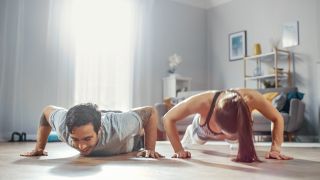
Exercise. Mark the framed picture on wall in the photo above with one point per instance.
(237, 45)
(290, 34)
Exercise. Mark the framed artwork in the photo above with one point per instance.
(290, 34)
(237, 45)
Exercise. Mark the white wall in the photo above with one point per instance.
(180, 29)
(263, 21)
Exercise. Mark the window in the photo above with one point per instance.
(103, 36)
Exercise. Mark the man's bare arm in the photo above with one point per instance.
(44, 130)
(149, 123)
(149, 117)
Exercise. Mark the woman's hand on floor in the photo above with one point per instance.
(35, 153)
(149, 154)
(182, 154)
(277, 155)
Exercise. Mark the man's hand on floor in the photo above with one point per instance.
(35, 153)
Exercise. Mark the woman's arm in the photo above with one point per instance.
(271, 113)
(192, 105)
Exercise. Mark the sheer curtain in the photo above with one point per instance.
(11, 65)
(113, 52)
(104, 33)
(66, 52)
(59, 61)
(90, 51)
(143, 56)
(36, 62)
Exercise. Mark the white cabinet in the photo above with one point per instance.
(174, 84)
(273, 67)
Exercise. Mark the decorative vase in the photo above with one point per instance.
(257, 49)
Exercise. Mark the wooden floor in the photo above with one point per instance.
(210, 161)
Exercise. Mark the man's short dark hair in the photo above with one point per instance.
(83, 114)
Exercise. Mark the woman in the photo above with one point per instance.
(224, 115)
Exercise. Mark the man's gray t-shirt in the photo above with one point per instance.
(119, 131)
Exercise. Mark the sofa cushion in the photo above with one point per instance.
(291, 95)
(270, 95)
(279, 101)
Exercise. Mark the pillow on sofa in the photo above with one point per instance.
(291, 95)
(171, 101)
(270, 95)
(279, 101)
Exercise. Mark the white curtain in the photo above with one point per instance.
(66, 52)
(143, 57)
(36, 62)
(113, 55)
(104, 33)
(59, 61)
(11, 64)
(113, 52)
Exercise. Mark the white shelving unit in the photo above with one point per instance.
(272, 59)
(174, 84)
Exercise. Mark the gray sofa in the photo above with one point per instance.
(292, 120)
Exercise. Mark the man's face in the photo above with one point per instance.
(84, 138)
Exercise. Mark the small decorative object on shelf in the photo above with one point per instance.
(270, 83)
(257, 49)
(279, 71)
(275, 76)
(258, 71)
(174, 61)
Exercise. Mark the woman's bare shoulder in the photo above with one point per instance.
(200, 94)
(248, 92)
(200, 99)
(251, 96)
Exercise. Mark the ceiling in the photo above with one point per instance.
(206, 4)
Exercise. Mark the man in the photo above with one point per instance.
(92, 132)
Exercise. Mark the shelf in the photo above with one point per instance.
(268, 76)
(269, 55)
(174, 83)
(274, 57)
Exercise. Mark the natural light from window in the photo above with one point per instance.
(103, 32)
